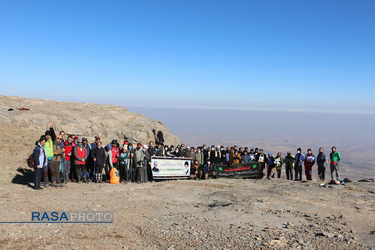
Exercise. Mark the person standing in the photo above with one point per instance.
(149, 154)
(115, 154)
(99, 157)
(160, 151)
(62, 136)
(289, 165)
(123, 160)
(321, 161)
(227, 156)
(109, 164)
(80, 161)
(131, 170)
(335, 158)
(246, 157)
(206, 161)
(252, 155)
(309, 163)
(68, 155)
(216, 156)
(199, 156)
(279, 161)
(262, 159)
(271, 167)
(40, 161)
(57, 153)
(89, 162)
(299, 159)
(138, 163)
(50, 163)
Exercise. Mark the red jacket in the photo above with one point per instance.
(115, 154)
(80, 155)
(68, 149)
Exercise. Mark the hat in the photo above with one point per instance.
(139, 145)
(109, 146)
(97, 138)
(84, 139)
(270, 154)
(75, 137)
(79, 140)
(126, 143)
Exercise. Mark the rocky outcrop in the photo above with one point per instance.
(85, 119)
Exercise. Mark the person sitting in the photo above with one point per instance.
(194, 170)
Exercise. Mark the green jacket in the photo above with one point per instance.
(49, 148)
(335, 157)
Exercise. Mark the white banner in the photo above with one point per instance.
(170, 167)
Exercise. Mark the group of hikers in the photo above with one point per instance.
(59, 159)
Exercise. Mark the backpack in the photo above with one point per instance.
(30, 161)
(334, 182)
(114, 176)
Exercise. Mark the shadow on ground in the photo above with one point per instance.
(24, 177)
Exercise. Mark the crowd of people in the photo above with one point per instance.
(60, 159)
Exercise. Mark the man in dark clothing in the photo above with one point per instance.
(321, 161)
(150, 153)
(271, 169)
(252, 155)
(131, 171)
(227, 156)
(99, 157)
(262, 158)
(183, 151)
(40, 161)
(299, 159)
(160, 151)
(289, 165)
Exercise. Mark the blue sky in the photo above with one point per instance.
(263, 54)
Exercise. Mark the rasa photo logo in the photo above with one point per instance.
(72, 217)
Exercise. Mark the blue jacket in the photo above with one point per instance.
(300, 158)
(246, 158)
(40, 156)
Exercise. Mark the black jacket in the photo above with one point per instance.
(321, 159)
(99, 154)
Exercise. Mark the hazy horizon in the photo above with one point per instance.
(236, 126)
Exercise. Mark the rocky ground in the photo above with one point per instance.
(222, 213)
